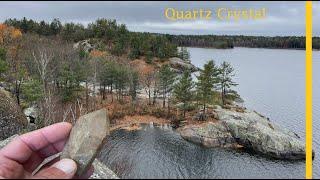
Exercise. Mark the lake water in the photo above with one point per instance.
(270, 81)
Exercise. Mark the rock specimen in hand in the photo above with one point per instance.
(86, 139)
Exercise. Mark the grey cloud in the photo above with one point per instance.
(283, 18)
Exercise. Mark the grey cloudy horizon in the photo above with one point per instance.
(283, 18)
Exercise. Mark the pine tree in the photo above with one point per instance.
(225, 79)
(149, 57)
(167, 78)
(133, 86)
(206, 83)
(184, 54)
(182, 90)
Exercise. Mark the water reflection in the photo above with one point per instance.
(160, 152)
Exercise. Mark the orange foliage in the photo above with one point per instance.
(16, 33)
(2, 27)
(97, 53)
(142, 67)
(8, 34)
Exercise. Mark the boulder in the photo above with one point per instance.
(12, 119)
(258, 133)
(85, 45)
(31, 114)
(210, 135)
(181, 65)
(86, 139)
(249, 129)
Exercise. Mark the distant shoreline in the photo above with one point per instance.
(249, 47)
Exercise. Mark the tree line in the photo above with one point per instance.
(115, 37)
(228, 41)
(151, 44)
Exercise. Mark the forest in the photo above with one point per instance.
(228, 41)
(76, 32)
(46, 66)
(115, 37)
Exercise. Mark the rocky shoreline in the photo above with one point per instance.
(240, 128)
(246, 129)
(179, 65)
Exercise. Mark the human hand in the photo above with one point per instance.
(25, 153)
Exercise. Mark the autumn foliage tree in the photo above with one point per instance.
(147, 77)
(10, 43)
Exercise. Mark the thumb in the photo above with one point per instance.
(63, 169)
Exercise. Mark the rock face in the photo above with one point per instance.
(256, 132)
(85, 45)
(86, 139)
(31, 114)
(211, 135)
(200, 116)
(12, 119)
(249, 129)
(181, 65)
(101, 171)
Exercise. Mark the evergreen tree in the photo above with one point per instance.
(167, 78)
(133, 86)
(149, 57)
(225, 79)
(184, 54)
(206, 83)
(55, 26)
(24, 25)
(103, 78)
(121, 80)
(182, 90)
(32, 90)
(108, 76)
(118, 48)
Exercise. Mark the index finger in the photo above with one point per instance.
(46, 141)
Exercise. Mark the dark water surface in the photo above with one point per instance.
(155, 152)
(271, 82)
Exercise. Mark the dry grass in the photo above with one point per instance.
(132, 122)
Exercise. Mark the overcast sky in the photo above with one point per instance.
(283, 18)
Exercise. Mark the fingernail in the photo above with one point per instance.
(68, 166)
